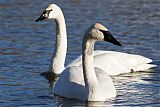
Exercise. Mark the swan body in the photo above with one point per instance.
(71, 84)
(113, 63)
(89, 83)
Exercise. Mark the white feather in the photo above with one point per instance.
(89, 83)
(114, 63)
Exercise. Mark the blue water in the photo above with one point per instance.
(26, 48)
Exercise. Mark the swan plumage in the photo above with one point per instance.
(116, 63)
(113, 63)
(89, 83)
(71, 84)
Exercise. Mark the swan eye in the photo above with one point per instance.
(50, 10)
(46, 13)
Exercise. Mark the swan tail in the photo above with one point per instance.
(143, 67)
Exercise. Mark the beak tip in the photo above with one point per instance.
(119, 44)
(37, 20)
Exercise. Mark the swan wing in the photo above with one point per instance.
(106, 83)
(115, 63)
(78, 60)
(71, 83)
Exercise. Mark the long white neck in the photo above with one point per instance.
(58, 59)
(90, 78)
(87, 59)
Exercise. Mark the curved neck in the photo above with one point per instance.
(58, 59)
(91, 82)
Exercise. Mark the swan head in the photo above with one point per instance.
(51, 12)
(98, 32)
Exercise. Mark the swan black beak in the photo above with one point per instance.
(44, 15)
(41, 18)
(109, 38)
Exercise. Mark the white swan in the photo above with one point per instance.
(113, 63)
(89, 84)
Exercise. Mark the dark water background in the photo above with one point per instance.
(26, 48)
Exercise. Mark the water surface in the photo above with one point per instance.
(26, 48)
